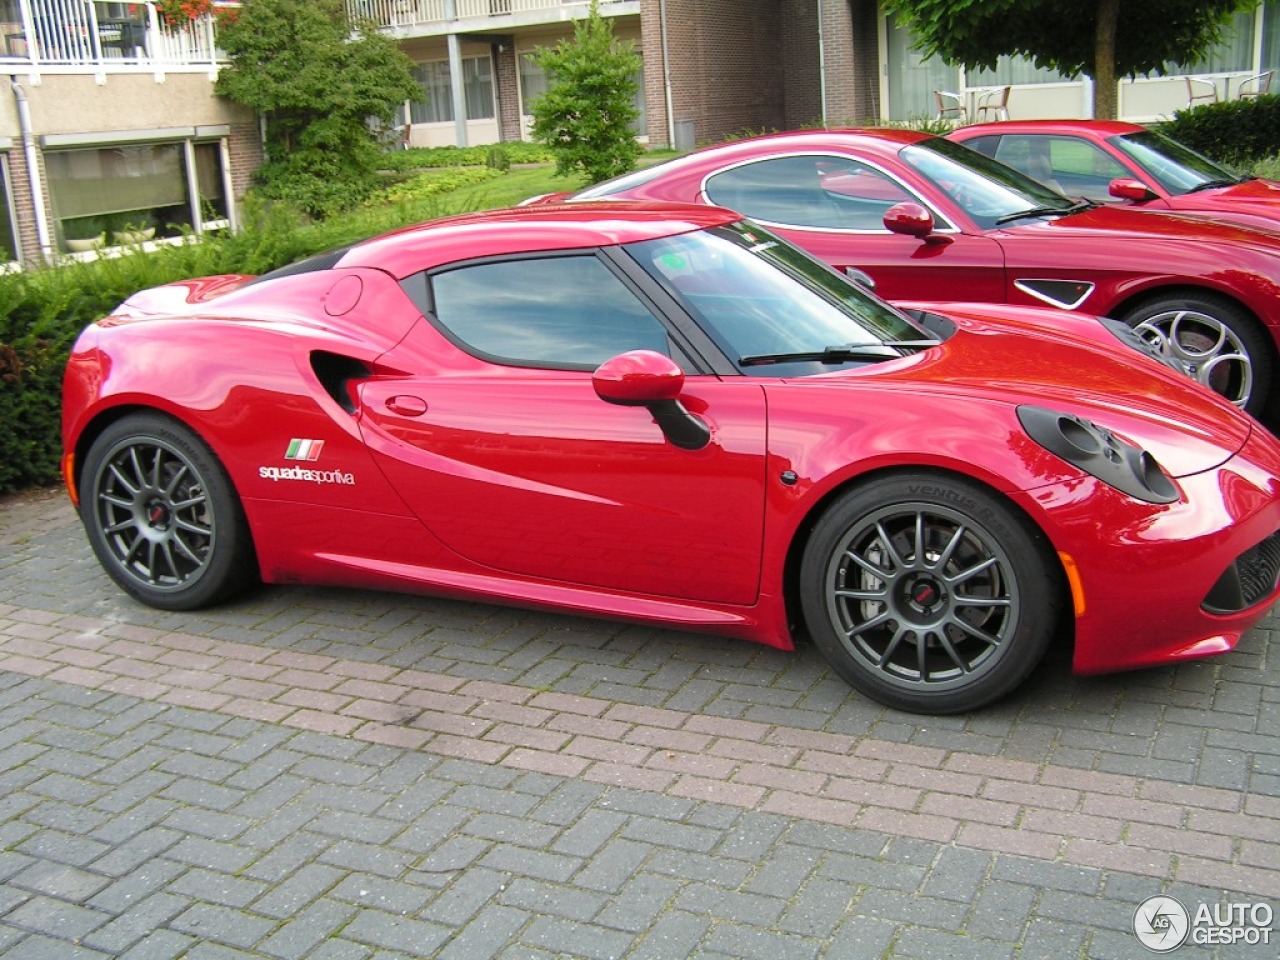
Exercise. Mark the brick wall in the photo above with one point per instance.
(866, 60)
(508, 89)
(850, 30)
(20, 188)
(801, 63)
(757, 64)
(726, 72)
(245, 149)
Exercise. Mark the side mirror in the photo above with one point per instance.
(910, 219)
(646, 378)
(913, 220)
(1123, 188)
(638, 378)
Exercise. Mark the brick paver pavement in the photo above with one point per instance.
(330, 774)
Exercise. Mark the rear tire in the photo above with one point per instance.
(929, 593)
(162, 516)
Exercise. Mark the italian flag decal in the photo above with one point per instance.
(304, 450)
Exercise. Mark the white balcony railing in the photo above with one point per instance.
(402, 14)
(74, 35)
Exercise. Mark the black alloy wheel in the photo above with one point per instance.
(929, 593)
(162, 516)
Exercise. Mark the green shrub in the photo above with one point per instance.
(432, 183)
(1268, 169)
(497, 160)
(418, 158)
(587, 112)
(1237, 132)
(317, 80)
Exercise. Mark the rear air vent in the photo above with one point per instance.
(335, 373)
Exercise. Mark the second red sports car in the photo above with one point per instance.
(1112, 161)
(921, 216)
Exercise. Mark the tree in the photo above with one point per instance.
(1102, 39)
(318, 81)
(585, 116)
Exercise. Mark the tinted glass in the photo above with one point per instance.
(569, 312)
(810, 190)
(1071, 165)
(1177, 168)
(987, 191)
(757, 295)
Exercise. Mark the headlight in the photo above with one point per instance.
(1131, 338)
(1099, 452)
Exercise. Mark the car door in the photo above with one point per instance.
(511, 459)
(834, 206)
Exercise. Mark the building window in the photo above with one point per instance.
(1270, 37)
(211, 184)
(534, 83)
(1014, 70)
(130, 192)
(1233, 54)
(436, 105)
(9, 249)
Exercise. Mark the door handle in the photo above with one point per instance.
(407, 405)
(861, 277)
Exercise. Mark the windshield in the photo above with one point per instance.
(989, 192)
(1177, 168)
(757, 296)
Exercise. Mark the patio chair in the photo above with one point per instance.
(994, 102)
(950, 106)
(1256, 86)
(1198, 90)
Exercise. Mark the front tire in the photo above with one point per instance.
(1215, 341)
(928, 593)
(162, 516)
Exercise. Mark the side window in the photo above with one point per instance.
(1068, 164)
(988, 146)
(1084, 169)
(566, 312)
(809, 191)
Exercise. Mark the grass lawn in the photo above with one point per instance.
(441, 192)
(518, 183)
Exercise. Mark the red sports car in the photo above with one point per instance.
(1109, 161)
(923, 217)
(668, 415)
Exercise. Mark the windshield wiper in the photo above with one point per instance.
(1046, 212)
(1213, 184)
(884, 350)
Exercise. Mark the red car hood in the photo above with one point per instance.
(1253, 202)
(1110, 221)
(1070, 363)
(1248, 191)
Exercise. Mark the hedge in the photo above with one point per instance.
(1238, 132)
(43, 311)
(499, 156)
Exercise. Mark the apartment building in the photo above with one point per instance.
(109, 129)
(711, 67)
(714, 68)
